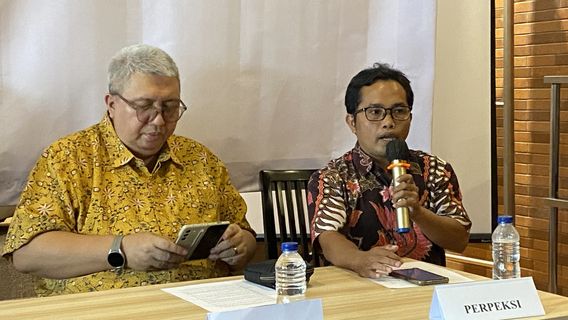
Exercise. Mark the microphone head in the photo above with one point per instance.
(397, 150)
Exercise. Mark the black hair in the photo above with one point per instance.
(379, 71)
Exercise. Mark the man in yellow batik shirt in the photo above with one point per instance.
(126, 185)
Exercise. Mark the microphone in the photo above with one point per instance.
(398, 156)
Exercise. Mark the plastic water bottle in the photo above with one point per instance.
(506, 250)
(290, 274)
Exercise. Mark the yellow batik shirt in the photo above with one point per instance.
(90, 183)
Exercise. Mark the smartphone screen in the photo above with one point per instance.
(419, 276)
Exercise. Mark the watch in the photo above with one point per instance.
(115, 256)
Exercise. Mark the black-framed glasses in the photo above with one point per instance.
(146, 111)
(378, 113)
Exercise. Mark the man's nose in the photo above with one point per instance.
(159, 118)
(388, 121)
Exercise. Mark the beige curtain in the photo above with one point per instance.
(265, 80)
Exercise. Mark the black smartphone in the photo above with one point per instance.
(200, 238)
(419, 276)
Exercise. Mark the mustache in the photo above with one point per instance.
(153, 130)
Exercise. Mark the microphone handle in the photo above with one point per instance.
(402, 218)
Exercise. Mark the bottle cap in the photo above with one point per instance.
(289, 246)
(504, 219)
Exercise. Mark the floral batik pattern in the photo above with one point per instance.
(90, 183)
(353, 195)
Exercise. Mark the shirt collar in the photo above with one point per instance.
(364, 163)
(120, 155)
(168, 153)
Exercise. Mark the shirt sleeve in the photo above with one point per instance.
(44, 204)
(326, 203)
(446, 197)
(232, 206)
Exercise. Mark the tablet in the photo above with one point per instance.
(200, 238)
(419, 276)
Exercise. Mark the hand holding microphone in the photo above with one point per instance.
(398, 156)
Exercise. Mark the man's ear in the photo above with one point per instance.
(350, 120)
(109, 102)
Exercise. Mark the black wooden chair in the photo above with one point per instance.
(284, 205)
(6, 211)
(14, 285)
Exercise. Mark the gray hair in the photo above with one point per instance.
(139, 58)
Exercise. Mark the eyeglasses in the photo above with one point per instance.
(378, 113)
(171, 110)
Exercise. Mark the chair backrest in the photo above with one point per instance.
(6, 211)
(284, 205)
(14, 285)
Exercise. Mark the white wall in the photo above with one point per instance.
(461, 128)
(254, 210)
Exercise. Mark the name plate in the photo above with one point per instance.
(493, 299)
(300, 310)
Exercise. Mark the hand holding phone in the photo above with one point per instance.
(419, 276)
(199, 239)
